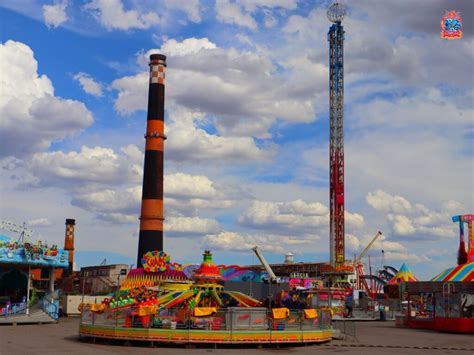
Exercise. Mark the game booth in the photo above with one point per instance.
(169, 303)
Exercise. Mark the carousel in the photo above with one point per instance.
(166, 303)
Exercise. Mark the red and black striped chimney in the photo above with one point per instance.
(69, 244)
(151, 217)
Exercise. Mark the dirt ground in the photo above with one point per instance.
(371, 338)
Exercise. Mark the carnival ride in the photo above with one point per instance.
(199, 312)
(446, 303)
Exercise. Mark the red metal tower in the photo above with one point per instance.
(336, 134)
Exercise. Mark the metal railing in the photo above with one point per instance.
(50, 307)
(13, 309)
(226, 319)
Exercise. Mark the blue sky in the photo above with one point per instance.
(247, 124)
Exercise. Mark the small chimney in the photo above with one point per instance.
(151, 216)
(289, 258)
(69, 244)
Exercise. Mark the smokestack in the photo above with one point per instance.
(151, 217)
(69, 244)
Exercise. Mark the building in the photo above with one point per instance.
(102, 279)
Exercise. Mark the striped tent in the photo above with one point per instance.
(403, 275)
(462, 273)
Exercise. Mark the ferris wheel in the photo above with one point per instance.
(21, 229)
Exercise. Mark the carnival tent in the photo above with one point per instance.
(403, 275)
(461, 273)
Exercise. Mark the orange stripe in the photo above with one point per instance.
(154, 143)
(152, 208)
(151, 225)
(155, 126)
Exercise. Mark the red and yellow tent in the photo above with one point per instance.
(403, 275)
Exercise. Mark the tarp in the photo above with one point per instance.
(462, 273)
(403, 275)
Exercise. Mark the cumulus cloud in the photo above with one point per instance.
(39, 222)
(187, 142)
(32, 116)
(55, 15)
(241, 92)
(89, 85)
(190, 7)
(416, 220)
(190, 226)
(298, 217)
(233, 13)
(115, 201)
(242, 242)
(385, 202)
(241, 13)
(112, 15)
(89, 165)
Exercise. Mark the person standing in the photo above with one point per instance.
(349, 303)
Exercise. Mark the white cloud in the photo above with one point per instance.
(89, 85)
(89, 165)
(188, 46)
(354, 220)
(385, 202)
(296, 217)
(112, 15)
(241, 92)
(31, 116)
(54, 15)
(38, 222)
(189, 143)
(190, 226)
(253, 5)
(188, 194)
(416, 220)
(233, 13)
(241, 242)
(190, 7)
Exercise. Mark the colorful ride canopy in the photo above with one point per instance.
(460, 273)
(403, 275)
(32, 253)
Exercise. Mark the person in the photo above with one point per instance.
(382, 312)
(349, 300)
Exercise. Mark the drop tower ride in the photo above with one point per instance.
(336, 13)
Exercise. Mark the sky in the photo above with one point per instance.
(246, 159)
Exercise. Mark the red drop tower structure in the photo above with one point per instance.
(336, 13)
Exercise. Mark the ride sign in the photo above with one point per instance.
(155, 261)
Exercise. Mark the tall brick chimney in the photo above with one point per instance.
(69, 244)
(151, 217)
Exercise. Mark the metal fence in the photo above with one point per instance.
(348, 328)
(50, 307)
(13, 309)
(227, 319)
